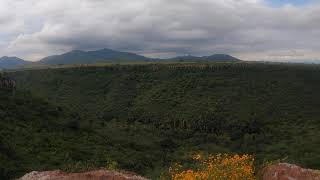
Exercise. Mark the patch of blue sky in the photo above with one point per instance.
(279, 3)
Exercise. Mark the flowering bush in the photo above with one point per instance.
(217, 167)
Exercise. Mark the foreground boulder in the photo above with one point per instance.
(284, 171)
(92, 175)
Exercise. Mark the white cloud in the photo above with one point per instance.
(249, 29)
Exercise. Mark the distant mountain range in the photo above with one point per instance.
(106, 56)
(215, 57)
(12, 62)
(112, 56)
(91, 57)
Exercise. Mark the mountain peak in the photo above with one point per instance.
(220, 57)
(105, 49)
(8, 58)
(213, 57)
(90, 57)
(7, 62)
(76, 50)
(12, 58)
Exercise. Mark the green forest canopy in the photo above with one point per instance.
(145, 117)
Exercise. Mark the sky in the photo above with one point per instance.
(292, 2)
(268, 30)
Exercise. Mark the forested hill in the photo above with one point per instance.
(145, 117)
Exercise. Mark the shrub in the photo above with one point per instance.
(217, 167)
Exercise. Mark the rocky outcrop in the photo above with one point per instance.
(284, 171)
(7, 83)
(281, 171)
(92, 175)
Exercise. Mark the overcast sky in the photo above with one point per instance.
(249, 29)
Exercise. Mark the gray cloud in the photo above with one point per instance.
(249, 29)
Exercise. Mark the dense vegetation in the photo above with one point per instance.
(145, 117)
(31, 132)
(35, 135)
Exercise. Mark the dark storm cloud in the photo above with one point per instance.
(249, 29)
